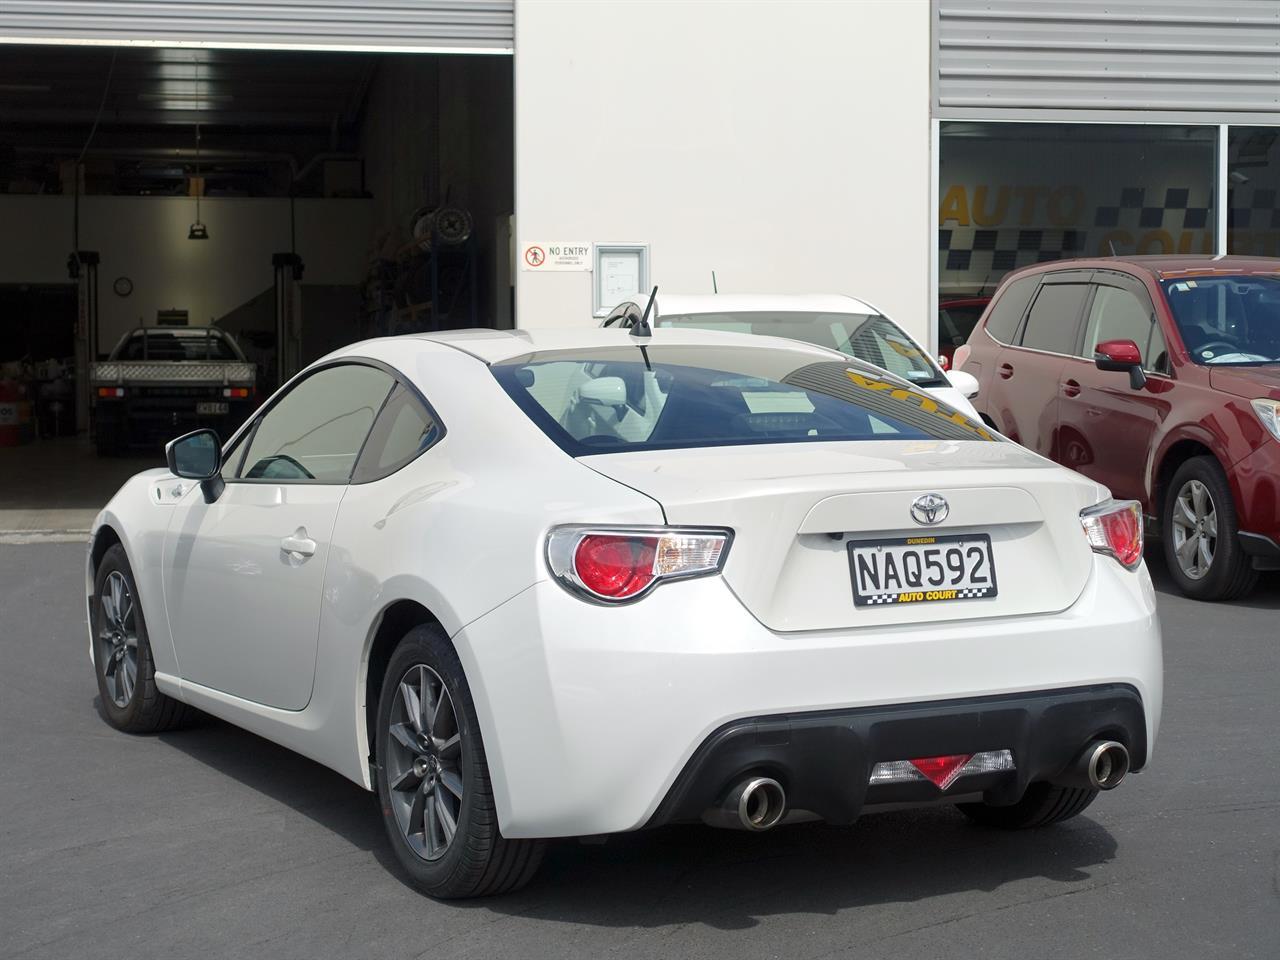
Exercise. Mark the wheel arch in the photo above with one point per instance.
(104, 538)
(1177, 452)
(394, 621)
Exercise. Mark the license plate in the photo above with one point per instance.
(211, 408)
(922, 569)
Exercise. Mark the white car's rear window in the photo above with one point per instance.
(620, 398)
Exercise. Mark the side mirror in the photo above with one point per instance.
(604, 391)
(1121, 356)
(966, 383)
(198, 456)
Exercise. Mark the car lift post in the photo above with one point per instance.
(288, 274)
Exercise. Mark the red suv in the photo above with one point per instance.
(1160, 378)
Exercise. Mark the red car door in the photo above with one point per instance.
(1025, 387)
(1104, 425)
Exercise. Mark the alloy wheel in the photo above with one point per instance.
(118, 639)
(1195, 529)
(424, 763)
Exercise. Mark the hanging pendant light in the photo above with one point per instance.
(198, 230)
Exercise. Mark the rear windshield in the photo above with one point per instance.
(611, 399)
(160, 345)
(867, 336)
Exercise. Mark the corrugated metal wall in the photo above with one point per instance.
(443, 25)
(1173, 56)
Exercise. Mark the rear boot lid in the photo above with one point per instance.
(794, 509)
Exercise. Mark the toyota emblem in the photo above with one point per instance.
(929, 509)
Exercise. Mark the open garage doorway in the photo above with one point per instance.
(289, 201)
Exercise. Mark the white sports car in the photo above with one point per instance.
(829, 320)
(546, 584)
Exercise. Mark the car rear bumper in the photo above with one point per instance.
(824, 760)
(592, 715)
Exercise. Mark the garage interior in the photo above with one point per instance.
(296, 200)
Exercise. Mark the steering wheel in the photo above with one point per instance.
(262, 470)
(1207, 350)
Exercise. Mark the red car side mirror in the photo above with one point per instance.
(1121, 356)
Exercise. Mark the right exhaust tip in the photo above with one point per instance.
(1104, 764)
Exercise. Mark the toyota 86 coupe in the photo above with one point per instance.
(538, 584)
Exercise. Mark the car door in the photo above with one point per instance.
(244, 575)
(1105, 426)
(1025, 385)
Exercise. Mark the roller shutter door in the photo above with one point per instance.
(1178, 56)
(445, 26)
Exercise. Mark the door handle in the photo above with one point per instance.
(300, 545)
(1071, 388)
(1005, 370)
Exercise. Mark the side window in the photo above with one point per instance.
(1054, 319)
(403, 430)
(1120, 314)
(1007, 311)
(315, 431)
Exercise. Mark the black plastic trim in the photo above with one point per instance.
(1264, 551)
(824, 759)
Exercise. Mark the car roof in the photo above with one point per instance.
(496, 346)
(693, 303)
(1163, 266)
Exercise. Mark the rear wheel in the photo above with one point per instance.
(433, 779)
(122, 654)
(1042, 805)
(1199, 529)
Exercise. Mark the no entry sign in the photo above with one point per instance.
(555, 255)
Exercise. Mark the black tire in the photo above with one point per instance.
(1042, 805)
(145, 709)
(478, 861)
(1230, 573)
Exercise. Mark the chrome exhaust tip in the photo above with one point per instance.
(1101, 766)
(755, 804)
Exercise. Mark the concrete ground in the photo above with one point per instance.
(56, 487)
(212, 842)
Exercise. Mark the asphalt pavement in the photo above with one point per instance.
(211, 842)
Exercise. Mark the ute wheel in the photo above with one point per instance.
(122, 654)
(1041, 805)
(1198, 527)
(433, 780)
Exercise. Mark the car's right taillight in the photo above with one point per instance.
(1114, 527)
(610, 564)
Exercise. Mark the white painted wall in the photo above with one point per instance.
(145, 239)
(782, 143)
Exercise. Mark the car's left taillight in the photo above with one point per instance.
(617, 564)
(1114, 527)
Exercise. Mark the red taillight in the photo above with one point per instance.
(942, 770)
(960, 357)
(619, 564)
(615, 566)
(1115, 528)
(114, 392)
(237, 393)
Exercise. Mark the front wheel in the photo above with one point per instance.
(433, 779)
(122, 653)
(1199, 529)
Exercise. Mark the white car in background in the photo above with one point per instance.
(545, 583)
(828, 320)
